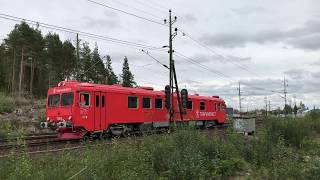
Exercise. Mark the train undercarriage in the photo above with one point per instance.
(130, 129)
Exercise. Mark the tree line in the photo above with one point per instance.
(30, 63)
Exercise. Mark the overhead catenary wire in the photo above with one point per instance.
(126, 12)
(148, 54)
(229, 59)
(193, 61)
(160, 9)
(225, 58)
(73, 31)
(136, 9)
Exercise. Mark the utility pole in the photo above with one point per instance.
(269, 106)
(239, 94)
(266, 101)
(285, 94)
(78, 58)
(172, 73)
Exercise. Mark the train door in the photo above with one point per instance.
(97, 111)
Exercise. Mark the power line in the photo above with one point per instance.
(193, 61)
(216, 53)
(187, 35)
(147, 53)
(145, 12)
(150, 6)
(63, 29)
(125, 12)
(199, 43)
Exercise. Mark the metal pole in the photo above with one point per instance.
(78, 58)
(170, 68)
(239, 98)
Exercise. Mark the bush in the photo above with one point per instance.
(4, 128)
(184, 154)
(292, 130)
(7, 103)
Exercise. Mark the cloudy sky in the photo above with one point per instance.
(253, 42)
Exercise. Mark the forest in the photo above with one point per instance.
(31, 62)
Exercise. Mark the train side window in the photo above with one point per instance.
(189, 105)
(102, 101)
(67, 99)
(202, 106)
(216, 106)
(84, 99)
(158, 103)
(146, 103)
(97, 100)
(53, 100)
(132, 102)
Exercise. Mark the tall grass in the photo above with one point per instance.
(7, 103)
(292, 130)
(285, 150)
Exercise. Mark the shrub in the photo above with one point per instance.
(292, 130)
(7, 103)
(4, 128)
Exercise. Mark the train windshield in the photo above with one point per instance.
(67, 99)
(53, 100)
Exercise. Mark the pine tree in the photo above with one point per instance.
(69, 59)
(98, 68)
(24, 56)
(55, 62)
(127, 76)
(111, 76)
(86, 72)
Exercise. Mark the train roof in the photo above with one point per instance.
(65, 86)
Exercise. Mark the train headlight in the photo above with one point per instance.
(69, 118)
(48, 118)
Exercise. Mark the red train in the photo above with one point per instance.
(80, 110)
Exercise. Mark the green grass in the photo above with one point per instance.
(284, 150)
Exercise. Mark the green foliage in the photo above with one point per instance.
(4, 128)
(111, 78)
(184, 154)
(127, 76)
(292, 130)
(45, 61)
(287, 109)
(99, 72)
(7, 103)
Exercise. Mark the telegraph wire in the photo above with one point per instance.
(193, 61)
(145, 12)
(148, 54)
(216, 53)
(68, 30)
(187, 35)
(150, 6)
(126, 12)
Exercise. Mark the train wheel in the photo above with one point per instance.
(86, 138)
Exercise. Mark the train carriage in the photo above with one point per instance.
(78, 109)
